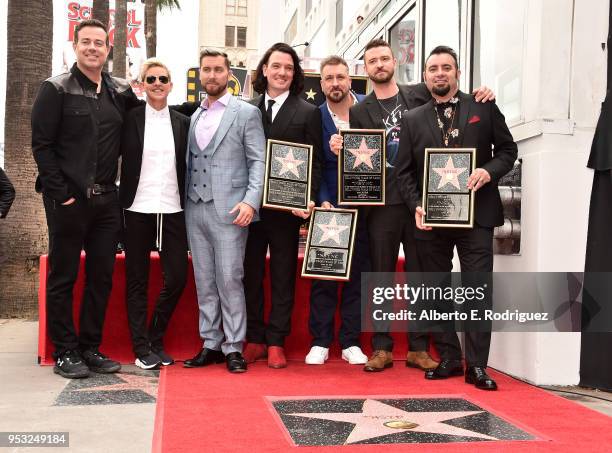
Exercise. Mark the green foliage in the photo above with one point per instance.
(162, 4)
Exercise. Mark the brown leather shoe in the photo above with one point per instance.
(254, 351)
(421, 360)
(379, 361)
(276, 357)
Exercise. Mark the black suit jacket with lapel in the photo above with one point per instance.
(297, 121)
(481, 126)
(132, 141)
(365, 115)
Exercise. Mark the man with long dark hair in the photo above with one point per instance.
(279, 78)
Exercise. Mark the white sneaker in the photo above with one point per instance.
(354, 355)
(317, 355)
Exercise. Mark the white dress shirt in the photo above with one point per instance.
(157, 190)
(278, 102)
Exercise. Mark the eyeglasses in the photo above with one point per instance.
(162, 78)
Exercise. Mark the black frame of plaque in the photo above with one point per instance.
(267, 177)
(342, 199)
(469, 223)
(339, 276)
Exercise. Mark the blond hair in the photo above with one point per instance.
(152, 63)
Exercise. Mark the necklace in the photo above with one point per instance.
(449, 132)
(390, 113)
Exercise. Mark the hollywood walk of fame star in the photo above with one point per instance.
(331, 230)
(449, 174)
(289, 164)
(363, 154)
(377, 419)
(310, 94)
(146, 384)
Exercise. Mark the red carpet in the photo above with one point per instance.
(210, 410)
(182, 339)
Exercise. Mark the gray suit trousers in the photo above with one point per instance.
(217, 251)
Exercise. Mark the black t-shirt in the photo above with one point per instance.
(391, 114)
(109, 123)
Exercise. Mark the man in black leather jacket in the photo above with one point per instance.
(76, 129)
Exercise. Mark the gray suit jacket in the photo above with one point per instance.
(238, 159)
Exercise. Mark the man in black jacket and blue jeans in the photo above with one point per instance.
(76, 129)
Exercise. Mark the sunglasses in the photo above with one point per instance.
(151, 79)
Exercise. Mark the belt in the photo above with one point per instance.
(101, 189)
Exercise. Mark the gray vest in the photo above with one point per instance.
(200, 187)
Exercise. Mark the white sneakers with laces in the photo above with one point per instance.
(317, 355)
(354, 355)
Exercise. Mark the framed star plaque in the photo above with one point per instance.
(329, 246)
(288, 175)
(361, 167)
(446, 199)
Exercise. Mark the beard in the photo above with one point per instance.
(337, 95)
(382, 77)
(441, 90)
(215, 90)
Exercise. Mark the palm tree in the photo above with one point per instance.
(24, 231)
(119, 40)
(151, 8)
(99, 10)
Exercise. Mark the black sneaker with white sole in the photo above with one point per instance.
(70, 365)
(150, 361)
(99, 363)
(165, 358)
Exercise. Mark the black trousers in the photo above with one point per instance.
(280, 231)
(140, 233)
(475, 250)
(324, 299)
(388, 227)
(93, 225)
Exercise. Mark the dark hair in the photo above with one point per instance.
(214, 53)
(260, 83)
(377, 42)
(90, 23)
(444, 49)
(333, 60)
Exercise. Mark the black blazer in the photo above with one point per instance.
(481, 126)
(132, 141)
(7, 194)
(297, 121)
(365, 115)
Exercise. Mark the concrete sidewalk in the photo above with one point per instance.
(103, 413)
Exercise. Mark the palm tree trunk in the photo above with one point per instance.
(99, 10)
(120, 38)
(24, 231)
(151, 27)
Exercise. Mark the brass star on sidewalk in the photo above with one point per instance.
(146, 384)
(380, 419)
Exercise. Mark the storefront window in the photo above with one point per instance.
(402, 40)
(442, 25)
(498, 52)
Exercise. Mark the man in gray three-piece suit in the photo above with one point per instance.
(224, 183)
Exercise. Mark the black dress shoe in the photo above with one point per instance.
(478, 376)
(205, 357)
(446, 369)
(235, 362)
